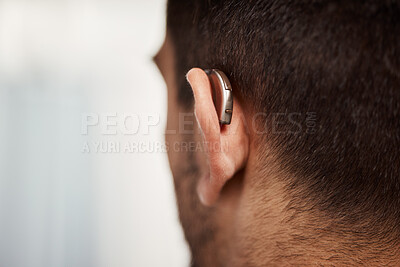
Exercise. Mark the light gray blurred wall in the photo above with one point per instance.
(59, 206)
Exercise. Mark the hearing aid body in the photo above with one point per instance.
(222, 95)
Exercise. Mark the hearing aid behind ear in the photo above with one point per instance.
(222, 95)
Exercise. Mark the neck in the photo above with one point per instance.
(273, 227)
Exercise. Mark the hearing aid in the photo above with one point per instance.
(221, 94)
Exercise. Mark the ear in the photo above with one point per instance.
(226, 146)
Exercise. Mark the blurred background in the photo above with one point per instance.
(83, 181)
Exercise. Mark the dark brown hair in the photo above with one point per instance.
(336, 60)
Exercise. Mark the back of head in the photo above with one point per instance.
(329, 72)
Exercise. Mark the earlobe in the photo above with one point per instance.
(226, 151)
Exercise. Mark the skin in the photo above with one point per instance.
(215, 188)
(233, 207)
(199, 222)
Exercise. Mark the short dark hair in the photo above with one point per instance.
(338, 60)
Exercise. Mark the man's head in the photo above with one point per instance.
(309, 170)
